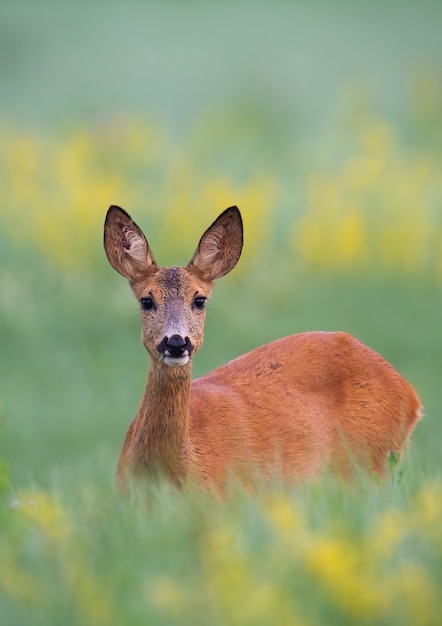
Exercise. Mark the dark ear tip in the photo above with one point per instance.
(114, 210)
(234, 211)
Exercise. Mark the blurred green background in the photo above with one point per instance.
(322, 121)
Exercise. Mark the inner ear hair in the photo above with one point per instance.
(125, 245)
(220, 246)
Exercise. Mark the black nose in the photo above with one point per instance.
(176, 341)
(175, 346)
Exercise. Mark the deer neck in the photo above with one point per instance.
(162, 424)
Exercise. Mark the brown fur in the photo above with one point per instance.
(288, 409)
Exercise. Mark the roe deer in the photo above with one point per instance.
(288, 409)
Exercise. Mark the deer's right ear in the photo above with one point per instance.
(126, 247)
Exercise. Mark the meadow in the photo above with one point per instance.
(343, 231)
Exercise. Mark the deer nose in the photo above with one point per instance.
(175, 346)
(176, 341)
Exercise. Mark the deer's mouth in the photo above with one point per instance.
(175, 361)
(175, 350)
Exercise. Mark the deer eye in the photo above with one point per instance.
(147, 304)
(199, 302)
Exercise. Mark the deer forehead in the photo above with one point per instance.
(172, 283)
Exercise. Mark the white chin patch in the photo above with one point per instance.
(178, 361)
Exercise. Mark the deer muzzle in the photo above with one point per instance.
(175, 350)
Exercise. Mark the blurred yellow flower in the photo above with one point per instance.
(242, 597)
(60, 188)
(377, 210)
(286, 521)
(427, 512)
(387, 533)
(417, 597)
(165, 593)
(339, 565)
(16, 582)
(46, 513)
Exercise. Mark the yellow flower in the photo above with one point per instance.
(286, 521)
(165, 593)
(417, 597)
(16, 582)
(426, 516)
(43, 511)
(239, 594)
(91, 598)
(388, 532)
(338, 565)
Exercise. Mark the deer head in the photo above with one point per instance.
(172, 299)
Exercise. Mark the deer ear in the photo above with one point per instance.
(220, 247)
(126, 247)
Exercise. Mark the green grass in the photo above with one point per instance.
(320, 553)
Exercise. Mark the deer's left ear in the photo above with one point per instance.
(220, 247)
(126, 247)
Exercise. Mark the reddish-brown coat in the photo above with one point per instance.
(289, 409)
